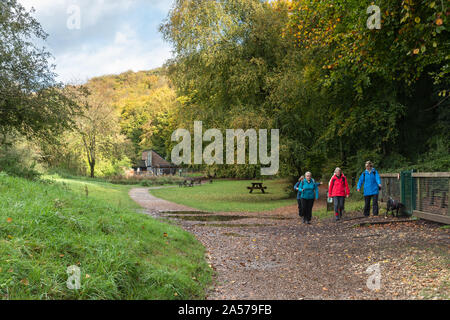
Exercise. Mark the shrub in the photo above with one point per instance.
(16, 163)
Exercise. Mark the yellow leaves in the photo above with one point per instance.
(87, 276)
(10, 236)
(417, 19)
(439, 22)
(416, 51)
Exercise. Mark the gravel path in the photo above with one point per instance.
(272, 255)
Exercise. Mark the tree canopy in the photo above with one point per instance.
(339, 92)
(30, 99)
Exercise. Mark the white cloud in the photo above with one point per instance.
(115, 36)
(125, 54)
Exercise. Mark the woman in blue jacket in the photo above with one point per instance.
(370, 180)
(299, 195)
(309, 192)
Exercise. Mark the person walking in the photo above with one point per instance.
(370, 180)
(310, 191)
(338, 190)
(299, 195)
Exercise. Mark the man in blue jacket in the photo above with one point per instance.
(371, 181)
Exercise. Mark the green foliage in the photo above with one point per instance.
(30, 102)
(144, 101)
(47, 227)
(17, 158)
(340, 94)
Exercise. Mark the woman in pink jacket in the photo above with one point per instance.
(338, 190)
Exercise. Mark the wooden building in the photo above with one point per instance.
(154, 164)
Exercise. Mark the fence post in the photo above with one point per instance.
(419, 194)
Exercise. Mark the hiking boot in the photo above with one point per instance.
(338, 218)
(308, 222)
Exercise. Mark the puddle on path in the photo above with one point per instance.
(185, 212)
(226, 225)
(234, 234)
(212, 218)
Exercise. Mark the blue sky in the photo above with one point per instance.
(114, 35)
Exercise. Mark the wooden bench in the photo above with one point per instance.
(186, 183)
(257, 186)
(193, 181)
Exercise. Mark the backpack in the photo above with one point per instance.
(364, 177)
(343, 180)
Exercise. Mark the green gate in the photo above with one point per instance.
(408, 191)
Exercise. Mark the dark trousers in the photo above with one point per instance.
(307, 205)
(367, 205)
(339, 203)
(300, 212)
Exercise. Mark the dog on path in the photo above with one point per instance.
(393, 205)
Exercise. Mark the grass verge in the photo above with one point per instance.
(350, 206)
(45, 227)
(229, 196)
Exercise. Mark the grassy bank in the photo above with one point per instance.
(231, 196)
(350, 206)
(47, 227)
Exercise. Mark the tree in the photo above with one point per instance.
(97, 130)
(30, 99)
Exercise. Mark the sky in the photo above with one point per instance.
(89, 38)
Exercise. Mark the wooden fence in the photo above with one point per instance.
(425, 195)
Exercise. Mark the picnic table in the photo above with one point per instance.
(193, 181)
(257, 186)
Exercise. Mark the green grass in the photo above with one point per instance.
(114, 194)
(47, 227)
(229, 196)
(350, 206)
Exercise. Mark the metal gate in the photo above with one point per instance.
(408, 191)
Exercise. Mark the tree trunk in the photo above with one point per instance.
(92, 166)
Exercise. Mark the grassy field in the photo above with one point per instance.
(45, 227)
(230, 196)
(350, 206)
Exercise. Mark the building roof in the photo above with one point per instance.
(157, 161)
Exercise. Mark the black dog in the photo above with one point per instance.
(393, 205)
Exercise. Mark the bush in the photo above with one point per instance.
(146, 181)
(16, 163)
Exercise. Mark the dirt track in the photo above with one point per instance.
(272, 255)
